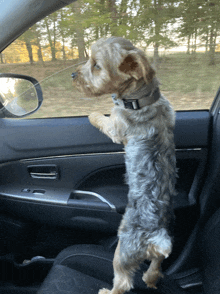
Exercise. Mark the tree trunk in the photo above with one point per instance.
(113, 11)
(54, 36)
(156, 54)
(29, 49)
(86, 54)
(96, 33)
(157, 5)
(39, 51)
(72, 51)
(188, 44)
(195, 44)
(52, 48)
(63, 49)
(207, 41)
(1, 55)
(63, 39)
(79, 31)
(212, 47)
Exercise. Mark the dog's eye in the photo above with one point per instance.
(96, 66)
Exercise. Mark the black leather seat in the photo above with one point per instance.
(84, 269)
(210, 255)
(79, 269)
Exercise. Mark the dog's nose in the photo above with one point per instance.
(74, 75)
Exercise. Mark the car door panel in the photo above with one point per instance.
(70, 165)
(65, 174)
(64, 136)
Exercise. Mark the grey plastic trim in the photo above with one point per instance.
(100, 153)
(97, 196)
(48, 195)
(191, 285)
(51, 196)
(188, 149)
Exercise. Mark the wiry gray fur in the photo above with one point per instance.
(151, 174)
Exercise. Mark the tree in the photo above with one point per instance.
(191, 17)
(27, 38)
(36, 29)
(79, 30)
(211, 26)
(1, 56)
(154, 19)
(145, 22)
(51, 25)
(62, 25)
(200, 19)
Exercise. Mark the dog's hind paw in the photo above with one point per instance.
(104, 291)
(151, 278)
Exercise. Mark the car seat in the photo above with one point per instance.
(84, 269)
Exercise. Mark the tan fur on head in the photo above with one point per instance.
(115, 66)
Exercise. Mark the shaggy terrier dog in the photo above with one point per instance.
(143, 120)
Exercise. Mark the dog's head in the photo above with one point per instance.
(115, 66)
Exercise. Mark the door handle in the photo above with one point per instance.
(44, 172)
(48, 176)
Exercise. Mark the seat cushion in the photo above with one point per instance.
(87, 268)
(80, 269)
(91, 260)
(62, 279)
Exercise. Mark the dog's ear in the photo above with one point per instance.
(137, 66)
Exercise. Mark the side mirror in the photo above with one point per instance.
(19, 95)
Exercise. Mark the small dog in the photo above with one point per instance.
(143, 120)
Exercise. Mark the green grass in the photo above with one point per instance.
(189, 73)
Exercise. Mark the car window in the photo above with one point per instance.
(180, 38)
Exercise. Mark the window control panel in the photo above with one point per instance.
(25, 190)
(79, 199)
(36, 191)
(39, 191)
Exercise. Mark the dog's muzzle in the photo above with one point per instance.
(74, 75)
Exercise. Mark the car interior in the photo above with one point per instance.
(63, 194)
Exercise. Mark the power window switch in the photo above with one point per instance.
(39, 192)
(26, 190)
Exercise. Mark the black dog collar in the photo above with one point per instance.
(136, 104)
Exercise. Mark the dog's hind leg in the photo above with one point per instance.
(123, 277)
(153, 274)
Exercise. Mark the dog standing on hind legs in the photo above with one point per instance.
(143, 120)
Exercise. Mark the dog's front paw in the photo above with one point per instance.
(95, 119)
(104, 291)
